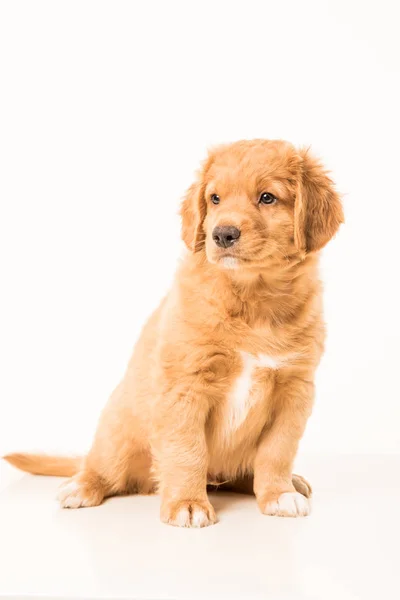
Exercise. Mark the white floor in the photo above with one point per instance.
(348, 548)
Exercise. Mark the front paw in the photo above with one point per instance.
(287, 504)
(188, 513)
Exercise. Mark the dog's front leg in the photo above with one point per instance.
(273, 484)
(181, 459)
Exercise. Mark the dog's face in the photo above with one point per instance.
(259, 200)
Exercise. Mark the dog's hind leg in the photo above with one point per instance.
(127, 471)
(119, 461)
(301, 485)
(84, 489)
(244, 485)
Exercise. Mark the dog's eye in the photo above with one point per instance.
(215, 198)
(267, 198)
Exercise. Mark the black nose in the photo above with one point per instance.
(225, 236)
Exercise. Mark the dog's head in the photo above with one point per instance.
(259, 200)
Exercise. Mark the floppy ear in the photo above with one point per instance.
(318, 210)
(193, 211)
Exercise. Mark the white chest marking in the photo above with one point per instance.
(240, 398)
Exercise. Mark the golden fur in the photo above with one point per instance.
(244, 318)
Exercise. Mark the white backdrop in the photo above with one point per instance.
(105, 110)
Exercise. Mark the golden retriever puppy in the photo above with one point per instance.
(221, 382)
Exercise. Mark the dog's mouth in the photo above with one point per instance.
(224, 259)
(228, 261)
(236, 260)
(233, 257)
(231, 260)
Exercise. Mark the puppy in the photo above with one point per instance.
(221, 382)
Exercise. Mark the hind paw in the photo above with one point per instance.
(78, 493)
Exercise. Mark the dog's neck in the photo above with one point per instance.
(273, 294)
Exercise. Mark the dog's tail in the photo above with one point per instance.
(41, 464)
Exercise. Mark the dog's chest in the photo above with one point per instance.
(251, 386)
